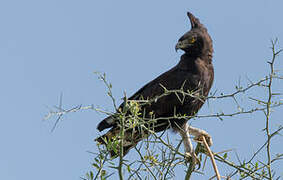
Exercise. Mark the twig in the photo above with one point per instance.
(212, 158)
(268, 108)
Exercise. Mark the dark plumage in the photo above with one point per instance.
(193, 73)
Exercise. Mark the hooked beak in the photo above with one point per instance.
(182, 45)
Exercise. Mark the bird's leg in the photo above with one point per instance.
(198, 133)
(189, 150)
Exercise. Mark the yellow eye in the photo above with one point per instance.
(193, 40)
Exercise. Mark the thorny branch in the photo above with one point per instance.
(268, 106)
(157, 157)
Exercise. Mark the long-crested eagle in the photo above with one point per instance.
(193, 75)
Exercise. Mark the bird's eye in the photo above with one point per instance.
(193, 39)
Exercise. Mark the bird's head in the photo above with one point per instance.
(197, 41)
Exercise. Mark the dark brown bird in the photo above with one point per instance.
(193, 74)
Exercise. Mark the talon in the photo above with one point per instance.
(208, 139)
(192, 158)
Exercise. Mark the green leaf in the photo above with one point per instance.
(256, 165)
(95, 165)
(129, 168)
(225, 156)
(103, 173)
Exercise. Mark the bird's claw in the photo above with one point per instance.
(208, 138)
(192, 159)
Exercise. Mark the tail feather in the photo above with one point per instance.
(106, 123)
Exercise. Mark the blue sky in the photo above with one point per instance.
(52, 47)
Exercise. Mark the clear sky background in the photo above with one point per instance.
(54, 46)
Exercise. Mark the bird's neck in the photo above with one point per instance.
(206, 55)
(189, 61)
